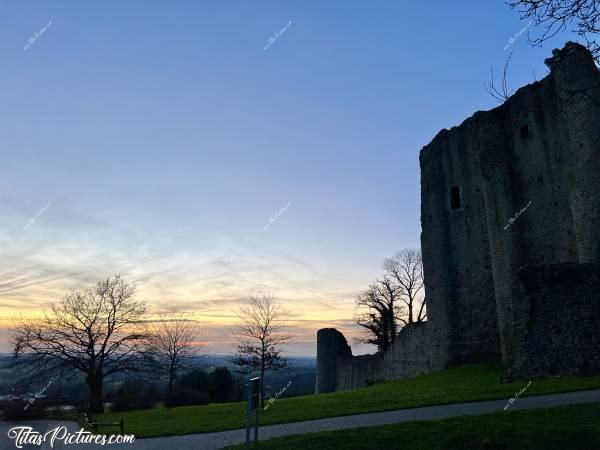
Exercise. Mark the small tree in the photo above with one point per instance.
(259, 335)
(96, 332)
(174, 343)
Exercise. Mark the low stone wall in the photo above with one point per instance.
(338, 369)
(409, 354)
(359, 371)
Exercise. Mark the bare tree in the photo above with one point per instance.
(500, 93)
(260, 337)
(173, 343)
(96, 332)
(380, 313)
(394, 301)
(406, 269)
(555, 16)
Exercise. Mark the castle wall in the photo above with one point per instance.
(510, 216)
(409, 354)
(331, 345)
(540, 150)
(577, 83)
(358, 371)
(560, 332)
(408, 357)
(459, 287)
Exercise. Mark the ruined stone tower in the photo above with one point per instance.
(527, 288)
(510, 217)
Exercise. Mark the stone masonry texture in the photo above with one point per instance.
(510, 217)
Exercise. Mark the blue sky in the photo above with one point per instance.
(166, 137)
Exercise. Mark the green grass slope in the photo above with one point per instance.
(460, 384)
(573, 427)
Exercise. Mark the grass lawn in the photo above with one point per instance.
(460, 384)
(573, 427)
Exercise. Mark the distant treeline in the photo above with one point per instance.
(213, 380)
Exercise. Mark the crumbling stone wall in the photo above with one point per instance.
(409, 354)
(359, 371)
(408, 357)
(510, 217)
(542, 148)
(331, 346)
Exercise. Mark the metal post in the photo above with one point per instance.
(254, 402)
(122, 426)
(257, 420)
(248, 413)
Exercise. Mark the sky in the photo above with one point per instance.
(207, 149)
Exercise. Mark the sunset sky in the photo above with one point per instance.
(160, 140)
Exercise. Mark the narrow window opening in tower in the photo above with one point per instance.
(455, 197)
(524, 132)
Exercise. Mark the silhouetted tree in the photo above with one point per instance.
(174, 344)
(380, 313)
(405, 268)
(391, 303)
(96, 332)
(259, 335)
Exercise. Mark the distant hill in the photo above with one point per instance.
(301, 372)
(223, 361)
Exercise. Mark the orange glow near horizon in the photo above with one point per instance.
(216, 317)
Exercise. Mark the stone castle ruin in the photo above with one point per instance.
(510, 216)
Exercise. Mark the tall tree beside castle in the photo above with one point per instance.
(96, 332)
(260, 337)
(405, 269)
(394, 301)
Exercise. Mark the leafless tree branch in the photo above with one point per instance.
(500, 93)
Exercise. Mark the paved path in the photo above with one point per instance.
(213, 441)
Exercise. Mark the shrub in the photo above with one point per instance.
(185, 396)
(133, 396)
(197, 387)
(195, 379)
(223, 385)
